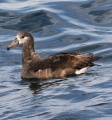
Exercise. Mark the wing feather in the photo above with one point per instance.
(64, 60)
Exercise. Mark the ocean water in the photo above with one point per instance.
(57, 26)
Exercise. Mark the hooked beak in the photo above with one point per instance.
(14, 43)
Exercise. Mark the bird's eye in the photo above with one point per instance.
(22, 36)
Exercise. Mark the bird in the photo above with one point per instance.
(60, 65)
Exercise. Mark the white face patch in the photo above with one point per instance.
(22, 40)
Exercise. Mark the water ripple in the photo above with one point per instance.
(57, 26)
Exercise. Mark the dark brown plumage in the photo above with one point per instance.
(56, 66)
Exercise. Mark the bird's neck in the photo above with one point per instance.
(28, 53)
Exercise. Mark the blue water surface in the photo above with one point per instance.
(57, 26)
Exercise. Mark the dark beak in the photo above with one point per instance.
(14, 43)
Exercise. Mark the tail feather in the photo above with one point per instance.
(94, 58)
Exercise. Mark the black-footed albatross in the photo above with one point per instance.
(55, 66)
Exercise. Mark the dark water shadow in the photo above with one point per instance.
(2, 1)
(93, 12)
(36, 85)
(32, 22)
(67, 116)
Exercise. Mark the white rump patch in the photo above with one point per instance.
(83, 70)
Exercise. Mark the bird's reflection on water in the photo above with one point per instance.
(36, 86)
